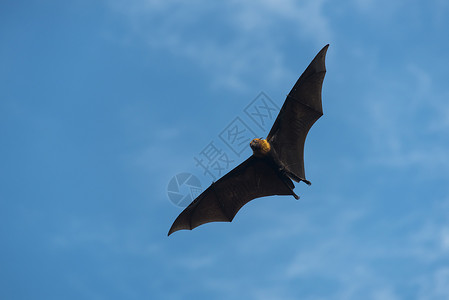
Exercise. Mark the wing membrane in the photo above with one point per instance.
(300, 111)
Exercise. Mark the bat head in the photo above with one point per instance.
(260, 147)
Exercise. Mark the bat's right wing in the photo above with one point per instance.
(300, 111)
(253, 178)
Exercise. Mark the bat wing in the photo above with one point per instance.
(254, 178)
(300, 111)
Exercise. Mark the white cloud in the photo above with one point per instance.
(244, 37)
(436, 286)
(440, 122)
(83, 233)
(385, 294)
(194, 262)
(378, 10)
(307, 16)
(444, 238)
(430, 160)
(422, 79)
(407, 121)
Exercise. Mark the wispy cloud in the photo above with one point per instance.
(396, 126)
(81, 233)
(251, 40)
(377, 9)
(408, 121)
(435, 286)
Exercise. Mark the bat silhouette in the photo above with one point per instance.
(275, 161)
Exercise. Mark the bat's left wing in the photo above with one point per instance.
(300, 111)
(253, 178)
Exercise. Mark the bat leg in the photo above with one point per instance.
(294, 177)
(294, 195)
(286, 178)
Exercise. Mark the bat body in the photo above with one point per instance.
(275, 162)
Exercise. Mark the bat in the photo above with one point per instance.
(275, 162)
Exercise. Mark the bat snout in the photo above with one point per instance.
(254, 144)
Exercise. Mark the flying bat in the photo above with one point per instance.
(275, 162)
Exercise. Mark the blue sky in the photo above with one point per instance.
(103, 102)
